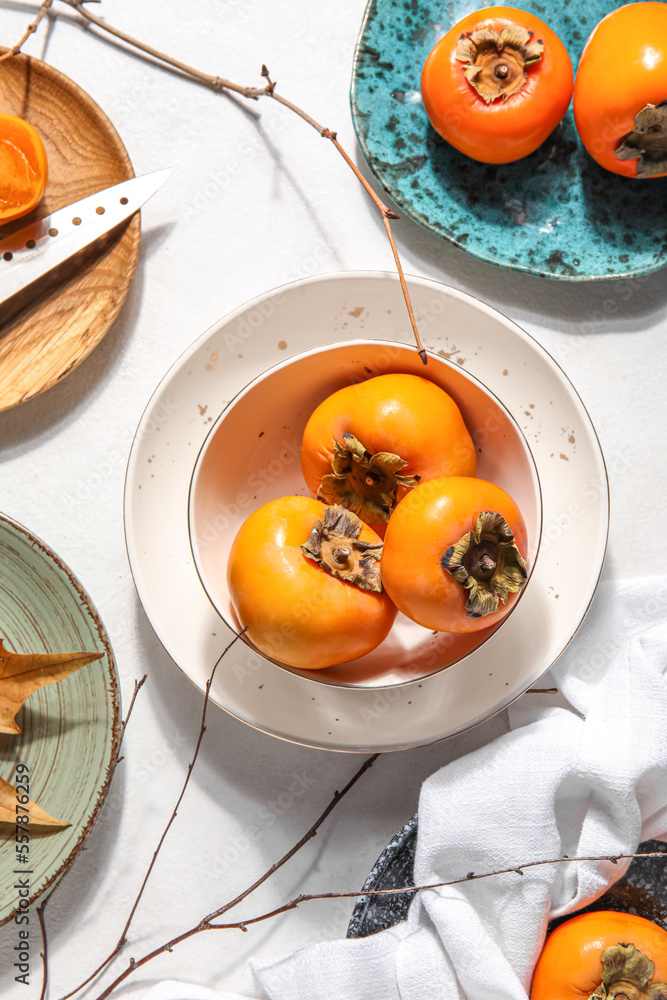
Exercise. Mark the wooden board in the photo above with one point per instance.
(66, 316)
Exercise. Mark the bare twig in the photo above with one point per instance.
(123, 726)
(204, 924)
(44, 952)
(214, 82)
(202, 729)
(30, 30)
(218, 84)
(304, 840)
(40, 909)
(293, 904)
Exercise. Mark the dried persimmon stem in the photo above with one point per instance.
(219, 83)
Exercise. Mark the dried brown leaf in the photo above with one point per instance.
(8, 809)
(22, 674)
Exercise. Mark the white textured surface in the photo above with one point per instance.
(257, 199)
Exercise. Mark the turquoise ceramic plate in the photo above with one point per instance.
(555, 213)
(71, 729)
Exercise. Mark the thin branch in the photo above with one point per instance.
(204, 924)
(304, 840)
(116, 761)
(214, 82)
(219, 83)
(123, 726)
(293, 904)
(202, 729)
(399, 267)
(470, 877)
(44, 952)
(30, 30)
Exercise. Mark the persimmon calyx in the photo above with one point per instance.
(627, 973)
(648, 141)
(334, 544)
(488, 563)
(495, 61)
(363, 482)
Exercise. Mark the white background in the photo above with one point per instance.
(257, 199)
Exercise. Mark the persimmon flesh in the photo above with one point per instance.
(23, 168)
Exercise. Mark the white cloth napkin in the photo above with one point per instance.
(590, 780)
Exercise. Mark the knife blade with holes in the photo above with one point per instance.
(33, 251)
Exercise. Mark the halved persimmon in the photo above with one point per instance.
(23, 168)
(304, 579)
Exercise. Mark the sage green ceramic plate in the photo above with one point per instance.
(70, 731)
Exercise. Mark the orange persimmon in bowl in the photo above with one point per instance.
(305, 582)
(23, 168)
(497, 84)
(453, 558)
(368, 443)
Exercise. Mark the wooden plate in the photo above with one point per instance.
(66, 319)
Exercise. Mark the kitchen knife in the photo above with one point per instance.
(33, 251)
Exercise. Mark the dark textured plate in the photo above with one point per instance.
(642, 890)
(554, 213)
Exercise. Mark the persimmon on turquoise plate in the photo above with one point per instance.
(555, 213)
(70, 730)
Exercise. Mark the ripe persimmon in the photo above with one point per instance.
(304, 580)
(497, 84)
(620, 93)
(453, 557)
(367, 444)
(593, 951)
(23, 168)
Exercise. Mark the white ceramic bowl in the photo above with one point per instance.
(252, 455)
